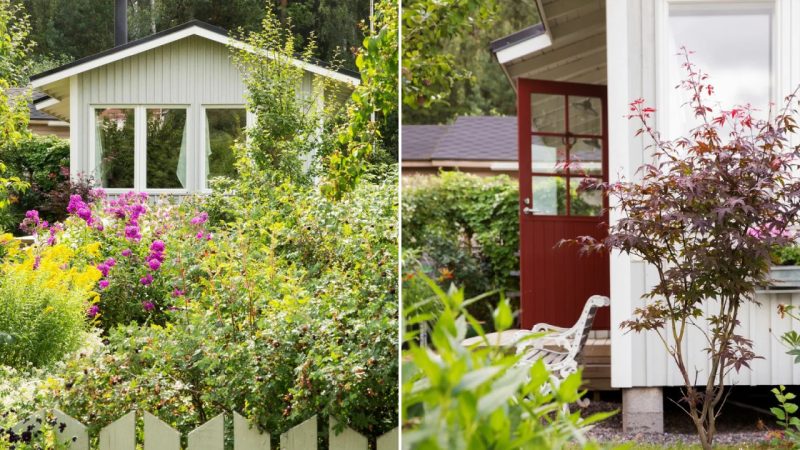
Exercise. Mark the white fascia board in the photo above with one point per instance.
(524, 48)
(42, 105)
(176, 36)
(505, 166)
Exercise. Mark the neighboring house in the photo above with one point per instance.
(575, 74)
(158, 114)
(39, 121)
(482, 145)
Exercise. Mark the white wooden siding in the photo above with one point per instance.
(634, 71)
(193, 72)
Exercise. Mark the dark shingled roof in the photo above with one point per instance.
(419, 141)
(477, 138)
(35, 114)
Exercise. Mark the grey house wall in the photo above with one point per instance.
(193, 72)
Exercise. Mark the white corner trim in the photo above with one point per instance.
(505, 166)
(524, 48)
(172, 37)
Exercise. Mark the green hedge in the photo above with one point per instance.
(462, 228)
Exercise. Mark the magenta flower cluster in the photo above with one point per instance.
(104, 268)
(82, 209)
(129, 207)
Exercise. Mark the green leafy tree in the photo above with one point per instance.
(14, 51)
(485, 89)
(430, 71)
(373, 105)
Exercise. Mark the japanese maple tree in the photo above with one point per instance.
(705, 214)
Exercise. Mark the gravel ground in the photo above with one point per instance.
(736, 425)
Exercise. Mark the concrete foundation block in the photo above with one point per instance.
(643, 410)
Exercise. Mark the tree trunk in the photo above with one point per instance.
(284, 4)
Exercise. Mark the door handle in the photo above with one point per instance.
(530, 211)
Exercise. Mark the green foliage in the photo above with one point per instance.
(373, 107)
(39, 321)
(485, 90)
(40, 162)
(785, 415)
(296, 315)
(429, 70)
(463, 228)
(788, 255)
(285, 134)
(457, 397)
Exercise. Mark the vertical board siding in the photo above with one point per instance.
(634, 59)
(121, 434)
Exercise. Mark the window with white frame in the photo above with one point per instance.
(732, 43)
(142, 148)
(223, 128)
(114, 147)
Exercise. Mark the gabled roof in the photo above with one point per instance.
(472, 138)
(36, 96)
(191, 28)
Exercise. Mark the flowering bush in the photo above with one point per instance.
(43, 298)
(147, 255)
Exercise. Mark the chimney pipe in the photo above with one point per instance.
(120, 22)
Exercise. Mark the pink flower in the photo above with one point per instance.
(146, 280)
(148, 306)
(127, 252)
(200, 218)
(178, 293)
(111, 262)
(157, 246)
(154, 264)
(103, 268)
(103, 284)
(93, 311)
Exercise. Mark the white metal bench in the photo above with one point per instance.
(560, 350)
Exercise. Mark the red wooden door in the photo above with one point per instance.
(563, 132)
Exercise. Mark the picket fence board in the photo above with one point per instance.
(158, 435)
(301, 437)
(209, 436)
(248, 437)
(390, 440)
(348, 438)
(120, 435)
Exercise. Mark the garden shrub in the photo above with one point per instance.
(43, 163)
(147, 254)
(479, 397)
(463, 229)
(296, 315)
(43, 305)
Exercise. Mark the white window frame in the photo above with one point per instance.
(664, 57)
(140, 147)
(249, 121)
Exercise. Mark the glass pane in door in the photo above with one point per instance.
(585, 115)
(547, 113)
(585, 200)
(548, 154)
(549, 196)
(586, 156)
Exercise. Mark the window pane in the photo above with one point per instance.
(166, 148)
(548, 154)
(223, 128)
(585, 115)
(731, 45)
(584, 201)
(549, 196)
(114, 150)
(547, 113)
(586, 157)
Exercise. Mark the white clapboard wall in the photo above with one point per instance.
(121, 435)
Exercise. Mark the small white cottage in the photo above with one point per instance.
(575, 73)
(158, 114)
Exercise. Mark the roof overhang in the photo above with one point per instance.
(568, 44)
(55, 82)
(193, 28)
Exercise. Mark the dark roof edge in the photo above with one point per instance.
(189, 24)
(515, 38)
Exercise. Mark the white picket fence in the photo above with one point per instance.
(121, 435)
